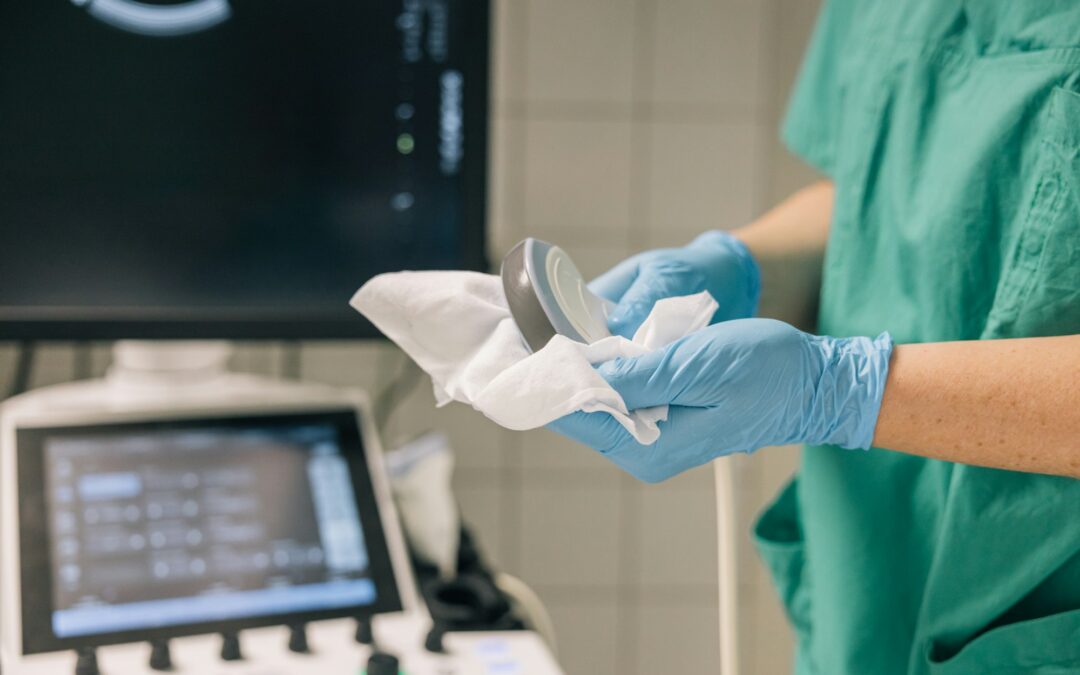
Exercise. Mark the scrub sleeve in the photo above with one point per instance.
(952, 133)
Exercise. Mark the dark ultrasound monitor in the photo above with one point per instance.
(159, 529)
(233, 168)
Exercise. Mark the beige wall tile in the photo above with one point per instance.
(577, 180)
(260, 358)
(8, 351)
(595, 259)
(508, 49)
(747, 637)
(506, 186)
(705, 53)
(751, 569)
(677, 537)
(53, 363)
(778, 465)
(699, 478)
(546, 450)
(678, 639)
(586, 635)
(579, 51)
(788, 29)
(481, 511)
(100, 358)
(703, 177)
(569, 534)
(413, 416)
(349, 363)
(477, 441)
(774, 643)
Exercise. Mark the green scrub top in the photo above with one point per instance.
(952, 132)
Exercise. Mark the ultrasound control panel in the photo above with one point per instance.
(232, 538)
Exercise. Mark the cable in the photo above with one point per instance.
(727, 539)
(530, 604)
(24, 366)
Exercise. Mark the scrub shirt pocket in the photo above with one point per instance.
(779, 540)
(1049, 645)
(1039, 291)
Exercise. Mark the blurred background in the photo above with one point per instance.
(616, 125)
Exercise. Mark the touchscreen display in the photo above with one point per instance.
(155, 527)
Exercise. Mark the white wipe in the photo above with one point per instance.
(457, 327)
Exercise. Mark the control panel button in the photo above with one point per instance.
(230, 647)
(160, 657)
(87, 662)
(298, 639)
(381, 663)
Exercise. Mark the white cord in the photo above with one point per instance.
(726, 540)
(526, 599)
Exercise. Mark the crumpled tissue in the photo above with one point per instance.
(458, 329)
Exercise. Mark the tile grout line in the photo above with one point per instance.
(518, 23)
(627, 601)
(628, 594)
(511, 498)
(768, 101)
(687, 112)
(511, 503)
(640, 187)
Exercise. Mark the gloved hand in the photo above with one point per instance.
(737, 386)
(715, 261)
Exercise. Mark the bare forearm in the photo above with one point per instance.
(788, 243)
(1009, 404)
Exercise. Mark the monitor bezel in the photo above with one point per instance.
(35, 583)
(245, 323)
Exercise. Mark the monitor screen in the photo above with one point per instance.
(232, 168)
(196, 524)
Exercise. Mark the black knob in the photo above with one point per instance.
(230, 646)
(433, 642)
(160, 658)
(87, 662)
(363, 631)
(381, 663)
(298, 639)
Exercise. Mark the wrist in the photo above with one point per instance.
(847, 395)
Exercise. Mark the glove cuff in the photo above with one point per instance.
(727, 244)
(848, 395)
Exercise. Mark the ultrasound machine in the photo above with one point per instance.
(215, 170)
(232, 525)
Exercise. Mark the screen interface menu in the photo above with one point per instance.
(190, 525)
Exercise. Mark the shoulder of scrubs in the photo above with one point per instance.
(810, 126)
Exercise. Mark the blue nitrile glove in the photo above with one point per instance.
(737, 386)
(716, 262)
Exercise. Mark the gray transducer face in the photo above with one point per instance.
(547, 295)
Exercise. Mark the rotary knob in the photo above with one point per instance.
(381, 663)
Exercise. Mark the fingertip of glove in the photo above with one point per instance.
(624, 321)
(607, 369)
(618, 369)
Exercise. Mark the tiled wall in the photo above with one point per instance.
(618, 125)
